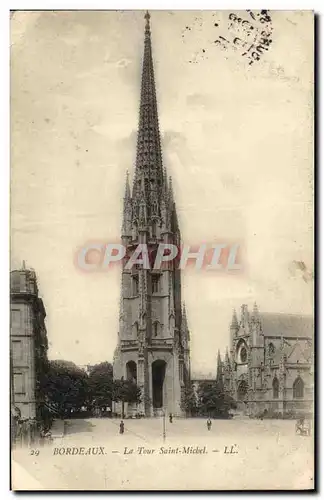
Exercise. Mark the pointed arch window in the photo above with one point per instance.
(275, 388)
(156, 283)
(298, 388)
(135, 285)
(155, 329)
(135, 330)
(154, 208)
(134, 232)
(271, 349)
(131, 371)
(154, 226)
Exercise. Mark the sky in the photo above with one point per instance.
(237, 140)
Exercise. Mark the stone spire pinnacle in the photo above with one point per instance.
(184, 324)
(255, 313)
(127, 187)
(234, 319)
(184, 317)
(148, 170)
(127, 209)
(245, 316)
(147, 17)
(171, 195)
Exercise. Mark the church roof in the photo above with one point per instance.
(287, 325)
(301, 352)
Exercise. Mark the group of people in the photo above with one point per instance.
(303, 427)
(122, 425)
(23, 430)
(26, 431)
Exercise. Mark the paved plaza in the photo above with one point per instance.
(93, 455)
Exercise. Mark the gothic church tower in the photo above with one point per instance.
(153, 337)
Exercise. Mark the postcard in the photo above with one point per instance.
(161, 280)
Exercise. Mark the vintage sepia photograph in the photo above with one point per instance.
(162, 250)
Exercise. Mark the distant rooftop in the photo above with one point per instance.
(203, 376)
(287, 325)
(23, 281)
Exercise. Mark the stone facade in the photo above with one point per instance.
(270, 362)
(28, 344)
(153, 337)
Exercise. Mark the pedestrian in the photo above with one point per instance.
(209, 424)
(31, 430)
(121, 427)
(170, 418)
(24, 431)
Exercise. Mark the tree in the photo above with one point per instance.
(126, 391)
(213, 401)
(189, 402)
(66, 387)
(101, 385)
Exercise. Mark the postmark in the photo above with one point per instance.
(249, 35)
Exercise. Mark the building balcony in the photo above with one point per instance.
(162, 342)
(131, 344)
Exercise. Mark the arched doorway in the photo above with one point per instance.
(158, 376)
(131, 371)
(242, 390)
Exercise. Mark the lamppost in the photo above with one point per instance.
(164, 429)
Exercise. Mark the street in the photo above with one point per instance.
(234, 454)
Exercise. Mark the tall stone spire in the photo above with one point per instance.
(153, 328)
(234, 322)
(148, 179)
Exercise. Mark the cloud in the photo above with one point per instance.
(199, 100)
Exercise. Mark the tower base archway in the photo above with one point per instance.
(158, 378)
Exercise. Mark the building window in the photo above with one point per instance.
(155, 328)
(275, 388)
(181, 372)
(243, 355)
(17, 351)
(19, 383)
(134, 231)
(135, 330)
(298, 388)
(154, 208)
(135, 287)
(15, 281)
(155, 284)
(15, 318)
(242, 390)
(271, 349)
(131, 371)
(153, 229)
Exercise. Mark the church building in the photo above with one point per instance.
(270, 362)
(153, 337)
